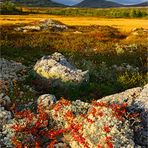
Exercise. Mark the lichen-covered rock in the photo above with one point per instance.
(5, 117)
(45, 24)
(9, 69)
(93, 125)
(139, 31)
(137, 99)
(59, 71)
(26, 28)
(49, 23)
(142, 100)
(4, 100)
(127, 96)
(46, 101)
(141, 103)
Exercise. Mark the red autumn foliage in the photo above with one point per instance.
(53, 133)
(106, 129)
(79, 138)
(100, 114)
(99, 146)
(61, 103)
(52, 143)
(17, 143)
(37, 128)
(108, 141)
(93, 111)
(119, 111)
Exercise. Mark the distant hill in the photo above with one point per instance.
(84, 3)
(43, 3)
(144, 4)
(97, 4)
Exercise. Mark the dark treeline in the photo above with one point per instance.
(10, 8)
(106, 12)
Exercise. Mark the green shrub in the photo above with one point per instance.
(9, 8)
(129, 80)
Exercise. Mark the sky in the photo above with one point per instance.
(71, 2)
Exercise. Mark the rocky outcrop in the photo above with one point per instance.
(137, 99)
(9, 69)
(45, 24)
(142, 100)
(127, 96)
(94, 120)
(5, 118)
(59, 71)
(141, 105)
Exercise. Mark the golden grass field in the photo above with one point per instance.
(125, 25)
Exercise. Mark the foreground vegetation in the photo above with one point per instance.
(104, 51)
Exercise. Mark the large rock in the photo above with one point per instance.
(137, 99)
(49, 23)
(127, 96)
(141, 103)
(59, 71)
(142, 100)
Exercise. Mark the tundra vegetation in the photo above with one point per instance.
(116, 61)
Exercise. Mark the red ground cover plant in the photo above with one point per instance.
(39, 126)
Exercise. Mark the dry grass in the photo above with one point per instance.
(125, 25)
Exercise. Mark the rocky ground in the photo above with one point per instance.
(127, 134)
(43, 25)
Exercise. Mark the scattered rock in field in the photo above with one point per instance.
(8, 69)
(45, 24)
(139, 31)
(122, 48)
(124, 67)
(52, 24)
(27, 28)
(77, 32)
(59, 71)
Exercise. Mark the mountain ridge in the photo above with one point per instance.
(84, 3)
(98, 4)
(42, 3)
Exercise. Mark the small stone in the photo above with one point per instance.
(46, 101)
